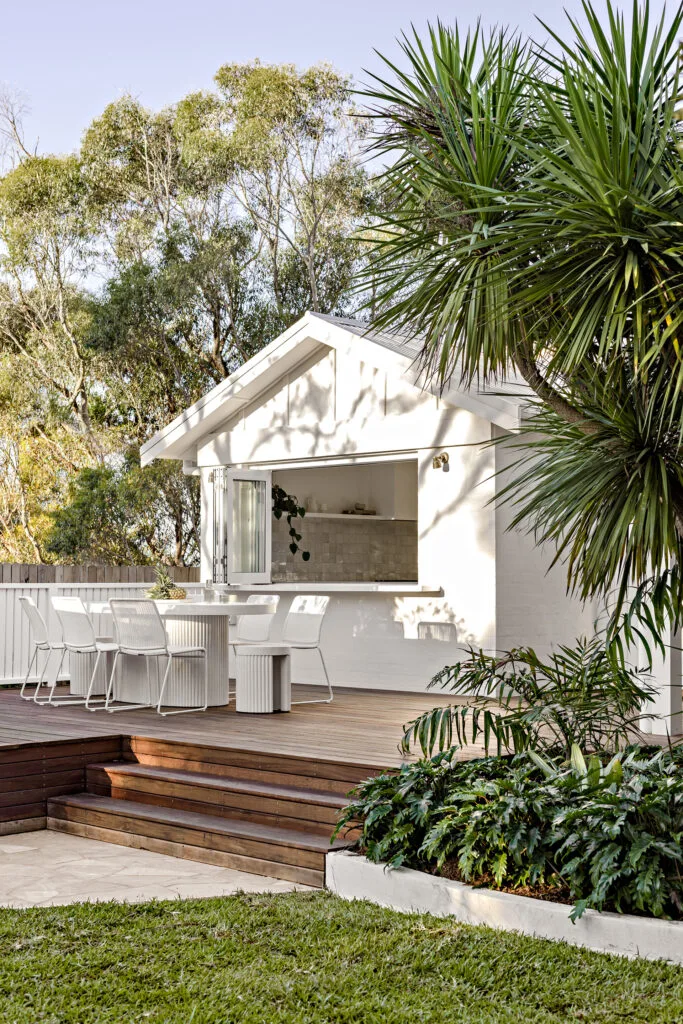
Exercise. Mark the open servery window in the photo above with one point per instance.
(242, 524)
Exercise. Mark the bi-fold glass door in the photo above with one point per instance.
(242, 518)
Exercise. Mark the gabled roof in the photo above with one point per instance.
(391, 351)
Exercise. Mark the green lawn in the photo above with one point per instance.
(302, 958)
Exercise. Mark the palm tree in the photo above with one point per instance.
(536, 223)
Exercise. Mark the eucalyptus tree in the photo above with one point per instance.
(168, 218)
(139, 272)
(47, 237)
(49, 377)
(294, 138)
(536, 223)
(238, 205)
(128, 515)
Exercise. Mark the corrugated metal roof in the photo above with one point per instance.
(404, 344)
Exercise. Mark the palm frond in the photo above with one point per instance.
(579, 696)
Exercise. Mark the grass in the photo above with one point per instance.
(306, 957)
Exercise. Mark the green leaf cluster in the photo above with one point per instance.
(577, 696)
(600, 835)
(286, 505)
(127, 515)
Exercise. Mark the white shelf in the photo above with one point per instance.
(352, 515)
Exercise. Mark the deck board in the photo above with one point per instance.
(359, 727)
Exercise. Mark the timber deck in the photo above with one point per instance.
(360, 727)
(258, 793)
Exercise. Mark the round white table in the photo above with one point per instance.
(188, 623)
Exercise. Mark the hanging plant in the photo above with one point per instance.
(286, 505)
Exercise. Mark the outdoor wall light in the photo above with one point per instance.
(441, 462)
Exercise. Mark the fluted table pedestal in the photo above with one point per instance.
(137, 677)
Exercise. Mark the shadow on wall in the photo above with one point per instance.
(309, 414)
(446, 632)
(403, 618)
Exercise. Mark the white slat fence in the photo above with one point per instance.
(15, 638)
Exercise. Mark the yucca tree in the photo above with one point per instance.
(536, 224)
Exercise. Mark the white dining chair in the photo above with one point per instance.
(42, 643)
(79, 637)
(301, 632)
(254, 629)
(139, 632)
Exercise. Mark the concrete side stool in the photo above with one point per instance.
(263, 680)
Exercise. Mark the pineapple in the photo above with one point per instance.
(164, 588)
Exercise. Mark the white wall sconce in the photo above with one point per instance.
(441, 462)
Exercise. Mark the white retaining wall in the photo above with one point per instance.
(355, 878)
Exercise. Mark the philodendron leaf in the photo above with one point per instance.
(541, 763)
(578, 910)
(614, 772)
(577, 759)
(594, 771)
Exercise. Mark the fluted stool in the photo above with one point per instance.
(263, 679)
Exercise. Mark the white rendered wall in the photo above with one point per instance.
(371, 641)
(340, 407)
(496, 589)
(532, 604)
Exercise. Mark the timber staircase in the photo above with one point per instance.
(267, 814)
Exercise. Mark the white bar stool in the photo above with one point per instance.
(263, 678)
(254, 629)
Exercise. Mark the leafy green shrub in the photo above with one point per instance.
(401, 813)
(619, 843)
(495, 828)
(608, 834)
(580, 695)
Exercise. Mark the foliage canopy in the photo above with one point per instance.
(534, 229)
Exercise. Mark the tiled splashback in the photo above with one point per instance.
(349, 550)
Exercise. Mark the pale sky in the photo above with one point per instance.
(69, 58)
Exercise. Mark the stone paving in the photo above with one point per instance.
(41, 869)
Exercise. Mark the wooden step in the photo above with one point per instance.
(308, 810)
(244, 845)
(280, 769)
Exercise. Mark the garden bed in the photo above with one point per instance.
(354, 877)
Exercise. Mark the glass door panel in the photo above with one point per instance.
(250, 526)
(249, 512)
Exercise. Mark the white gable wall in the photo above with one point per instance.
(336, 406)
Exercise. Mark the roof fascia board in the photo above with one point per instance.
(182, 434)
